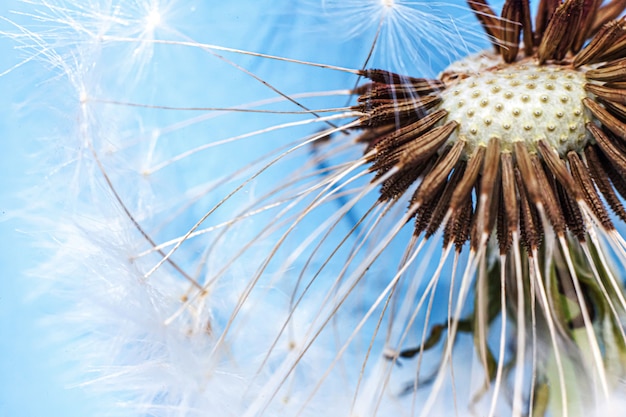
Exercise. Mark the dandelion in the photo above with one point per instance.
(401, 245)
(516, 154)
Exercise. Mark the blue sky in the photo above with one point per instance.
(33, 366)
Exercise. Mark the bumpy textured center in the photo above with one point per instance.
(520, 103)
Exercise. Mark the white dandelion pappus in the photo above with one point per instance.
(244, 259)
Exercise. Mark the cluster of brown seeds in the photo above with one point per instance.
(501, 170)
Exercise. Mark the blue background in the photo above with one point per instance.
(33, 367)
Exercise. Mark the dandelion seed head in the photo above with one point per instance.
(517, 145)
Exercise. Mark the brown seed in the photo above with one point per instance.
(509, 191)
(488, 20)
(458, 228)
(557, 37)
(600, 44)
(511, 29)
(397, 91)
(618, 110)
(383, 111)
(489, 184)
(607, 119)
(571, 213)
(548, 196)
(504, 236)
(395, 186)
(601, 179)
(616, 50)
(443, 203)
(612, 94)
(408, 133)
(388, 77)
(530, 226)
(527, 29)
(585, 184)
(615, 71)
(438, 175)
(610, 149)
(524, 165)
(426, 145)
(468, 181)
(544, 14)
(558, 168)
(590, 8)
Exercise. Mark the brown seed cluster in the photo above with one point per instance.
(518, 185)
